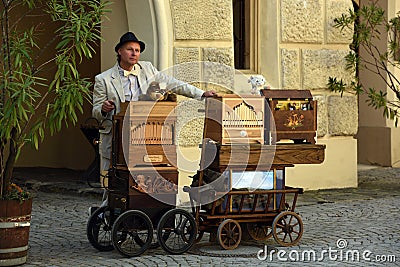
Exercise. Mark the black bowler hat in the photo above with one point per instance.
(129, 37)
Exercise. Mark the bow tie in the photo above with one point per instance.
(134, 71)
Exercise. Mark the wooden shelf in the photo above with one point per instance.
(259, 155)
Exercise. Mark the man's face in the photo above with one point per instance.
(130, 54)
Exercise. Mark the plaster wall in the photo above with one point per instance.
(68, 148)
(378, 137)
(334, 172)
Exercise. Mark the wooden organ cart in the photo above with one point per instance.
(251, 194)
(142, 185)
(294, 116)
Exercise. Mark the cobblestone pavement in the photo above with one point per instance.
(347, 227)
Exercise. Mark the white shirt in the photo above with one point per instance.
(131, 86)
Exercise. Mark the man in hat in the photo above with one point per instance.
(125, 81)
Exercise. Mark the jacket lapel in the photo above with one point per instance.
(142, 79)
(116, 82)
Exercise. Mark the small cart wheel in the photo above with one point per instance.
(98, 230)
(229, 234)
(287, 228)
(176, 231)
(132, 233)
(259, 231)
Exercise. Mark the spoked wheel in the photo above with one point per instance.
(98, 230)
(259, 231)
(176, 231)
(132, 233)
(287, 228)
(229, 234)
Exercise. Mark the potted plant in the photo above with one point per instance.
(40, 91)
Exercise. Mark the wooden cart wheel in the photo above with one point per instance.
(259, 231)
(132, 233)
(176, 231)
(98, 230)
(229, 234)
(287, 228)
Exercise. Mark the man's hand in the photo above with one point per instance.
(210, 93)
(107, 106)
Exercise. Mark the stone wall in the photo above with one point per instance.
(202, 33)
(298, 49)
(312, 49)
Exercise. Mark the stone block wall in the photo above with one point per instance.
(301, 21)
(202, 20)
(298, 48)
(311, 50)
(202, 33)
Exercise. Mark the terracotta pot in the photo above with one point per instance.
(15, 217)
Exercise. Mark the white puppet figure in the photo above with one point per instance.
(257, 82)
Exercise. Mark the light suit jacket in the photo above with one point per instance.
(108, 85)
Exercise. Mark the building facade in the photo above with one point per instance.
(292, 43)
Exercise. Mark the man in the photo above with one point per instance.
(125, 81)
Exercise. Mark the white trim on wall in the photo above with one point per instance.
(163, 31)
